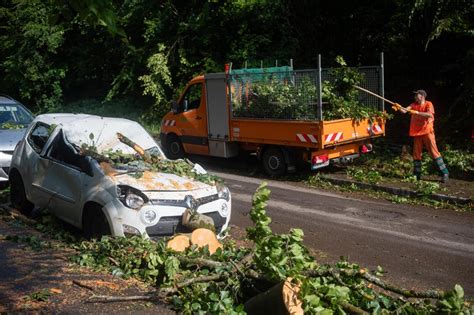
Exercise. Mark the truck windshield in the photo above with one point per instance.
(192, 98)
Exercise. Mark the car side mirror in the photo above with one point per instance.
(174, 107)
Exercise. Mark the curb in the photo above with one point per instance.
(398, 191)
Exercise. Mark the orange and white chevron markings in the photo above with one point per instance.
(169, 122)
(306, 138)
(375, 129)
(336, 136)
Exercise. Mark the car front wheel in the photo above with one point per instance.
(18, 194)
(95, 224)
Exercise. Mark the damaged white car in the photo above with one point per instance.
(109, 176)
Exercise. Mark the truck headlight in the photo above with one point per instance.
(223, 192)
(131, 197)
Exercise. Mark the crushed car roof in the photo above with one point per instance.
(98, 131)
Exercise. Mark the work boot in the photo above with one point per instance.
(417, 169)
(443, 169)
(445, 178)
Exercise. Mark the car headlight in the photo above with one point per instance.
(134, 201)
(223, 192)
(225, 209)
(131, 197)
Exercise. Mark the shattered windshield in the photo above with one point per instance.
(14, 116)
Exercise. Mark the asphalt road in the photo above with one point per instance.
(418, 247)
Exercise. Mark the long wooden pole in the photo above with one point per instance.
(376, 95)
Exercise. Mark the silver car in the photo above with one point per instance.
(65, 163)
(14, 118)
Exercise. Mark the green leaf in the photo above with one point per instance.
(459, 291)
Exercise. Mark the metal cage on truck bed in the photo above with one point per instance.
(283, 93)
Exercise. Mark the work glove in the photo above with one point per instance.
(396, 106)
(413, 112)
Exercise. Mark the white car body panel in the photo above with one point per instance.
(65, 189)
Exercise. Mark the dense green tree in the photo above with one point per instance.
(58, 51)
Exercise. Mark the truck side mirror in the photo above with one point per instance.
(174, 107)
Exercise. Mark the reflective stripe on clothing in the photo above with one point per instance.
(420, 125)
(429, 142)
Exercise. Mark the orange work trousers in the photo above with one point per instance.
(429, 142)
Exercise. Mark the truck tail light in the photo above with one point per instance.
(366, 148)
(319, 159)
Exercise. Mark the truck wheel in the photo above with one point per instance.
(95, 224)
(18, 194)
(174, 148)
(273, 161)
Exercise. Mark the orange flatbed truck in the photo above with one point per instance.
(210, 119)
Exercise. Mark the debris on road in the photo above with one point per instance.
(230, 278)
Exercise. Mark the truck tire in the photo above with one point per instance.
(174, 148)
(95, 224)
(273, 161)
(18, 194)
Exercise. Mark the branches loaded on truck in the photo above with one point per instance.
(278, 113)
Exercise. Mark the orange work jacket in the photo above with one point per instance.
(420, 125)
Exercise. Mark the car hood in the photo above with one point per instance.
(9, 138)
(156, 181)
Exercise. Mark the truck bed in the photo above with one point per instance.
(305, 134)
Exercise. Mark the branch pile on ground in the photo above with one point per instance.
(276, 275)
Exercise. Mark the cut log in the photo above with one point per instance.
(179, 243)
(281, 299)
(204, 237)
(193, 220)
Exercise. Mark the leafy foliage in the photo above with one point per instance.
(11, 126)
(343, 98)
(364, 175)
(325, 289)
(279, 96)
(39, 296)
(184, 168)
(31, 41)
(278, 99)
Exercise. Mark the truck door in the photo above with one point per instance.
(194, 120)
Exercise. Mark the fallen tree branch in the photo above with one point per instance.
(352, 309)
(429, 294)
(109, 298)
(200, 262)
(163, 292)
(83, 285)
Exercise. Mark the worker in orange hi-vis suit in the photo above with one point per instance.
(422, 131)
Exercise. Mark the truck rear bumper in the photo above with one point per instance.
(339, 154)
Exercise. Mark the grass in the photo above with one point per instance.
(124, 108)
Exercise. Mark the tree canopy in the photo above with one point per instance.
(57, 51)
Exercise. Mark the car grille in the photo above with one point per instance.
(182, 203)
(171, 225)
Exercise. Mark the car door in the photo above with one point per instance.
(194, 131)
(63, 179)
(34, 170)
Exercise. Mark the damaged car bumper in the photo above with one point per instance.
(163, 217)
